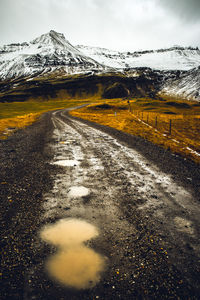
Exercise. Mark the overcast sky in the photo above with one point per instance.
(116, 24)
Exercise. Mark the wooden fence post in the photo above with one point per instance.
(129, 105)
(170, 126)
(156, 122)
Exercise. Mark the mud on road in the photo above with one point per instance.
(96, 214)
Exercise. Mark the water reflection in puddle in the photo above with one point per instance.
(67, 163)
(78, 191)
(68, 232)
(74, 264)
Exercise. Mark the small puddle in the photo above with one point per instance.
(78, 191)
(67, 163)
(74, 265)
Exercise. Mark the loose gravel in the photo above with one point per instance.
(143, 199)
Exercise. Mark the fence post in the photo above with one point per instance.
(129, 105)
(156, 122)
(170, 126)
(147, 118)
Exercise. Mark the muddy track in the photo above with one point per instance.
(142, 200)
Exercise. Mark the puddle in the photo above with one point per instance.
(67, 163)
(78, 268)
(68, 232)
(78, 191)
(74, 265)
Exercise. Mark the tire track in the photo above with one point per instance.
(138, 209)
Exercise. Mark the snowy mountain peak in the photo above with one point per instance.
(55, 39)
(49, 38)
(46, 53)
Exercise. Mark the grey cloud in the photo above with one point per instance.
(116, 24)
(189, 10)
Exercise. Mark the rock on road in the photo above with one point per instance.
(142, 200)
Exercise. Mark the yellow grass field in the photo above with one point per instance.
(152, 124)
(147, 118)
(9, 125)
(20, 114)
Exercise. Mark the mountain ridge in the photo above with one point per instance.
(48, 52)
(173, 58)
(175, 70)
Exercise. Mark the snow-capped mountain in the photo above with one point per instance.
(173, 71)
(49, 52)
(174, 58)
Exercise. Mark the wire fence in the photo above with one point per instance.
(183, 127)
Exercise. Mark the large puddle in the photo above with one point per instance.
(74, 265)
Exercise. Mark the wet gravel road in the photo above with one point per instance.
(143, 201)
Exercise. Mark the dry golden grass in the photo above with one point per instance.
(184, 138)
(20, 114)
(9, 125)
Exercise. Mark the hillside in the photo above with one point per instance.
(174, 58)
(186, 85)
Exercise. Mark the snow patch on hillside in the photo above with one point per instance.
(175, 58)
(186, 86)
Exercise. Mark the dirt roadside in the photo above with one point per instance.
(24, 175)
(143, 262)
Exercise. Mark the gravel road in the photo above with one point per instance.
(89, 212)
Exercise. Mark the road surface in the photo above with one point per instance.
(92, 213)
